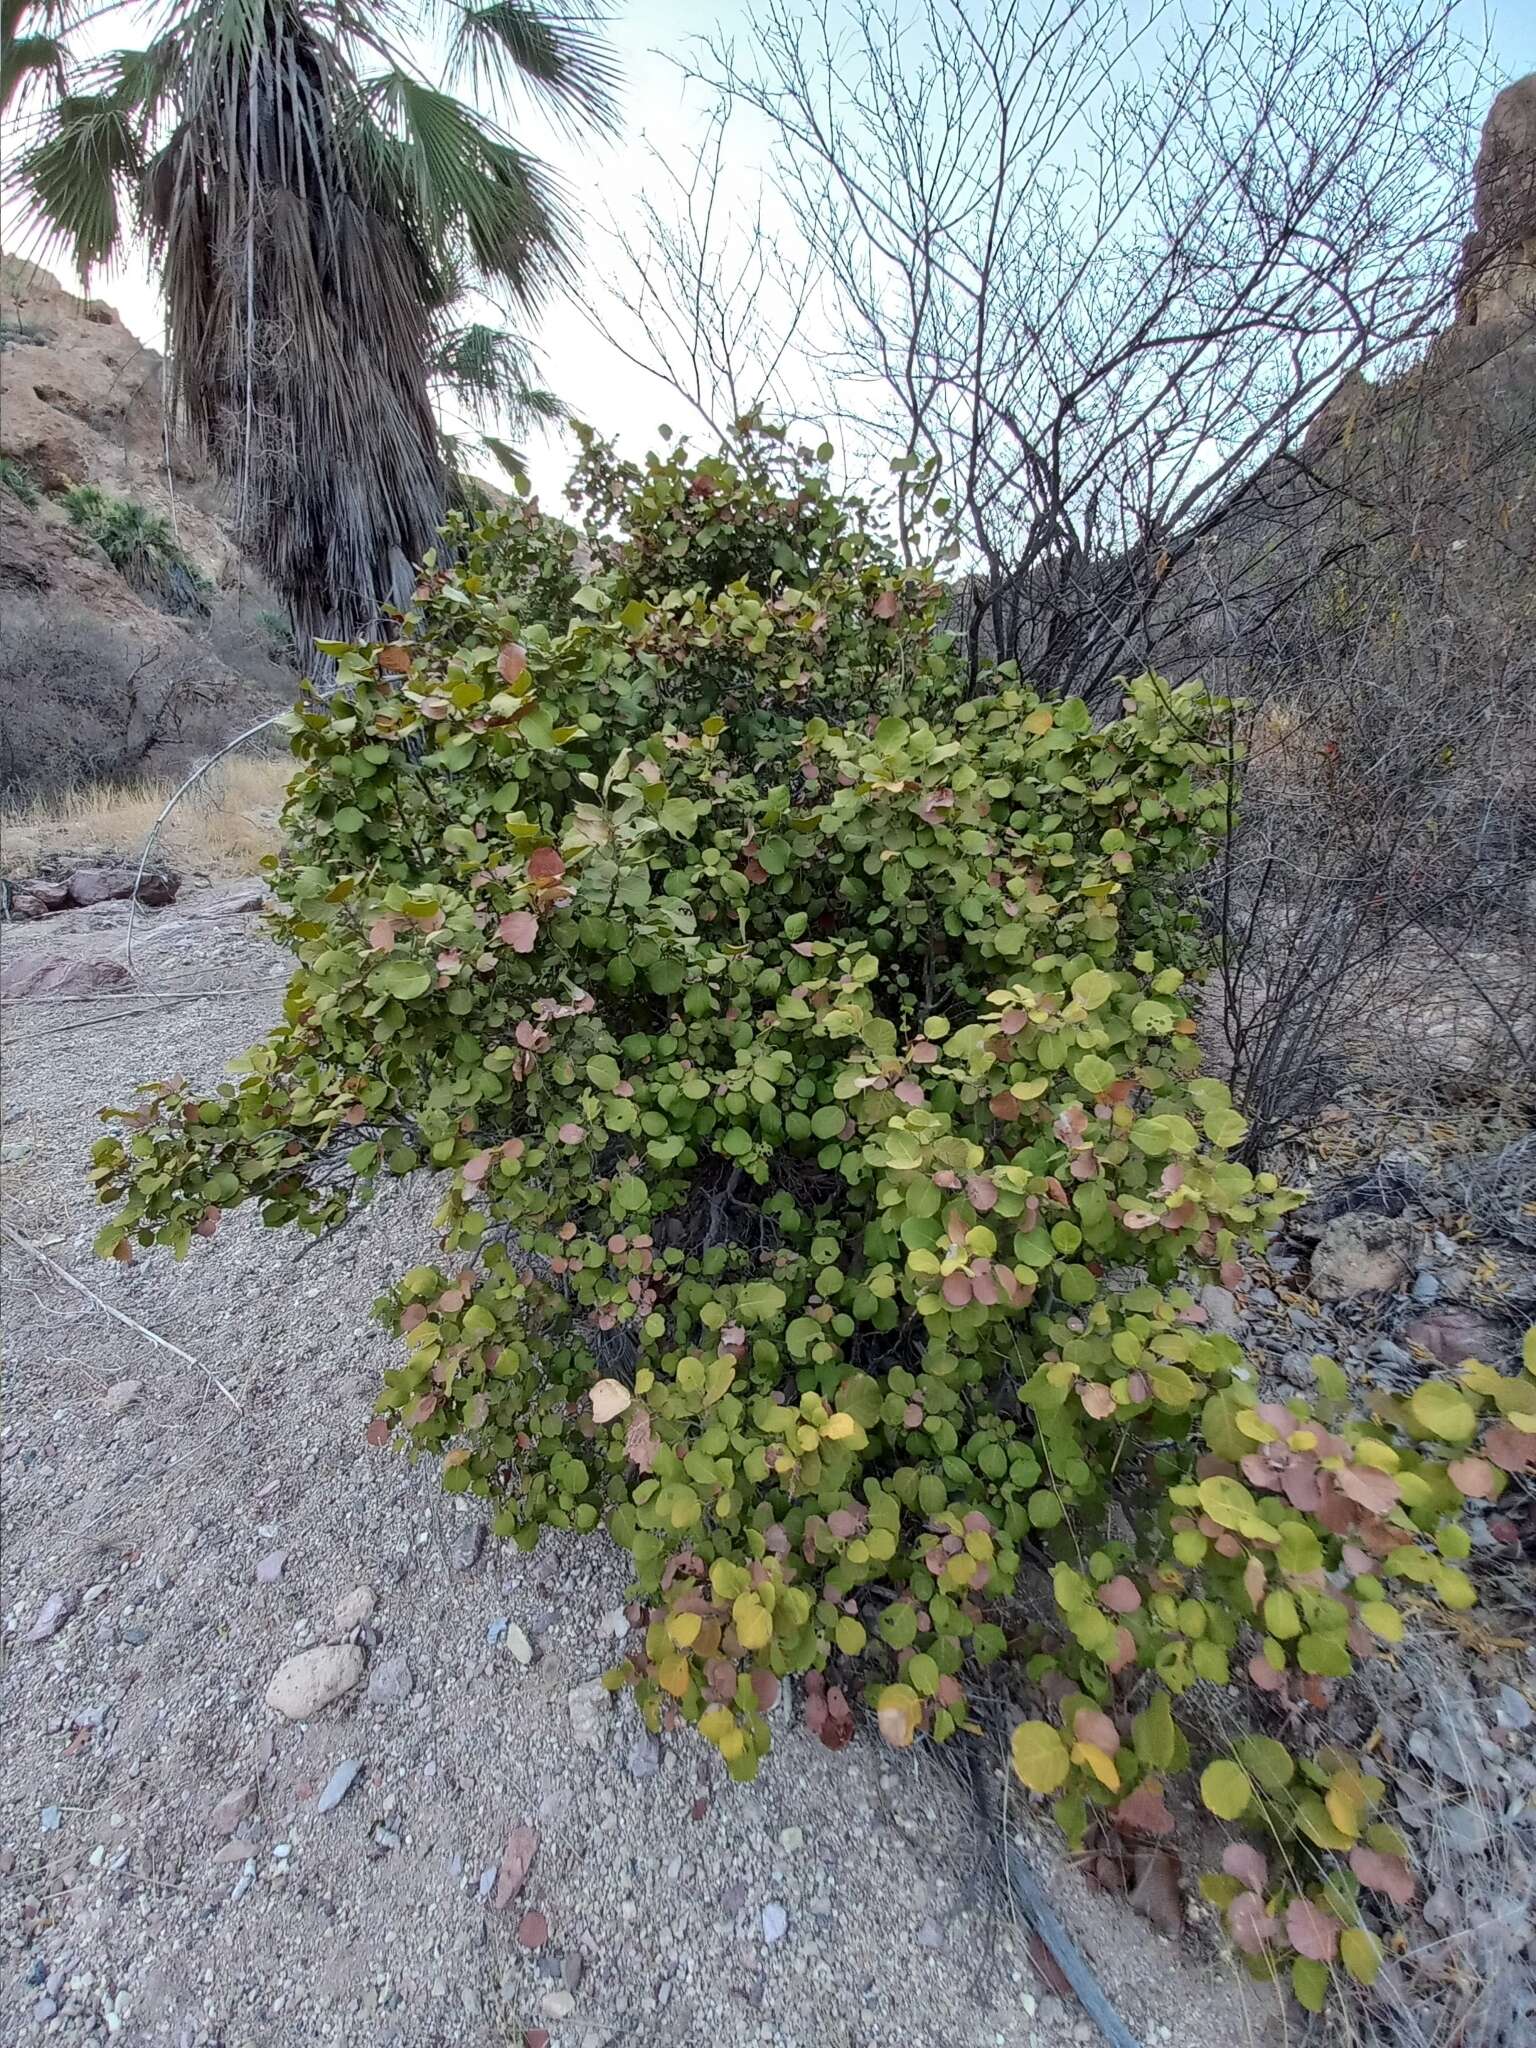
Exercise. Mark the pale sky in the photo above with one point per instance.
(605, 179)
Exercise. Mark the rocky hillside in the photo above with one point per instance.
(134, 637)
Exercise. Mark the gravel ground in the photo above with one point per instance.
(178, 1862)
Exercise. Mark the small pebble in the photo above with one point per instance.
(775, 1922)
(645, 1756)
(339, 1784)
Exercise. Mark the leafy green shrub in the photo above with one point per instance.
(812, 1058)
(16, 478)
(141, 546)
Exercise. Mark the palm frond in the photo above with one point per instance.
(72, 178)
(561, 56)
(512, 460)
(29, 61)
(490, 371)
(465, 185)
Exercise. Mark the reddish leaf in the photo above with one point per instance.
(1098, 1401)
(981, 1193)
(394, 658)
(844, 1524)
(641, 1445)
(571, 1134)
(1121, 1595)
(377, 1431)
(1380, 1872)
(1049, 1970)
(474, 1170)
(1241, 1860)
(698, 1809)
(1124, 1652)
(957, 1289)
(1250, 1924)
(1375, 1491)
(516, 1862)
(765, 1690)
(1144, 1811)
(1511, 1449)
(1005, 1107)
(1264, 1674)
(533, 1929)
(512, 661)
(518, 929)
(545, 865)
(1474, 1477)
(381, 935)
(887, 605)
(1313, 1933)
(536, 2037)
(1091, 1724)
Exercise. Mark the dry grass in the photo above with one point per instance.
(222, 826)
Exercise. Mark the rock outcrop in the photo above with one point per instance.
(1497, 283)
(96, 679)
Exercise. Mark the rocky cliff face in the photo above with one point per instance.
(1497, 285)
(98, 678)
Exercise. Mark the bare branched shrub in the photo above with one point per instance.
(1103, 262)
(1378, 897)
(84, 700)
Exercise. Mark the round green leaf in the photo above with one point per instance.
(1226, 1789)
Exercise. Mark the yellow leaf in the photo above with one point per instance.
(684, 1628)
(1040, 1757)
(1038, 723)
(716, 1722)
(1345, 1801)
(1382, 1619)
(1099, 1761)
(900, 1714)
(754, 1624)
(840, 1428)
(672, 1676)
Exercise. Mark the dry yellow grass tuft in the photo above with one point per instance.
(222, 826)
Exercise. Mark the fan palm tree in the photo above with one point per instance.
(320, 199)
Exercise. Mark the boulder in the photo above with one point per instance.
(38, 898)
(156, 887)
(58, 974)
(1451, 1334)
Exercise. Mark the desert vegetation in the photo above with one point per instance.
(807, 1035)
